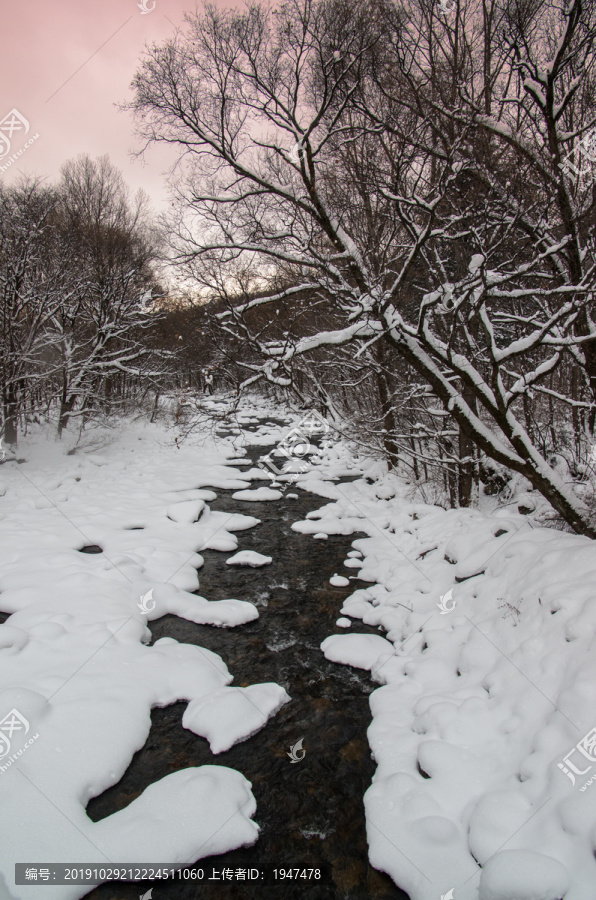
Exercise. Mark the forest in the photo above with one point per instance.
(384, 211)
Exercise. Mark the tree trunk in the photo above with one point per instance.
(11, 409)
(66, 407)
(528, 462)
(389, 422)
(465, 484)
(451, 477)
(466, 469)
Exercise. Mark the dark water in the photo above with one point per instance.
(311, 812)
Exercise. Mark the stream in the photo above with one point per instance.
(311, 813)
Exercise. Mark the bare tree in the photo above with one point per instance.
(98, 330)
(31, 272)
(409, 170)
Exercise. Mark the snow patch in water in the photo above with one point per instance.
(258, 495)
(249, 558)
(233, 714)
(339, 581)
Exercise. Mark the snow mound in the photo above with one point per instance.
(165, 599)
(186, 512)
(523, 875)
(359, 650)
(249, 558)
(222, 613)
(339, 581)
(191, 813)
(483, 733)
(78, 679)
(257, 494)
(233, 714)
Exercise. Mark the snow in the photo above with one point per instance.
(257, 495)
(165, 599)
(249, 558)
(340, 336)
(525, 875)
(187, 512)
(339, 581)
(207, 807)
(360, 650)
(233, 714)
(74, 657)
(479, 705)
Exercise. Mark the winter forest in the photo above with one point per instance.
(297, 477)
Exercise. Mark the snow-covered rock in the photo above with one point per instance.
(257, 495)
(233, 714)
(249, 558)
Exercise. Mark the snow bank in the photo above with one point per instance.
(360, 650)
(488, 693)
(77, 679)
(525, 875)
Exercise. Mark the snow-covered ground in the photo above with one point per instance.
(73, 660)
(489, 681)
(484, 728)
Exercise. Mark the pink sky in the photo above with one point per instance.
(64, 65)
